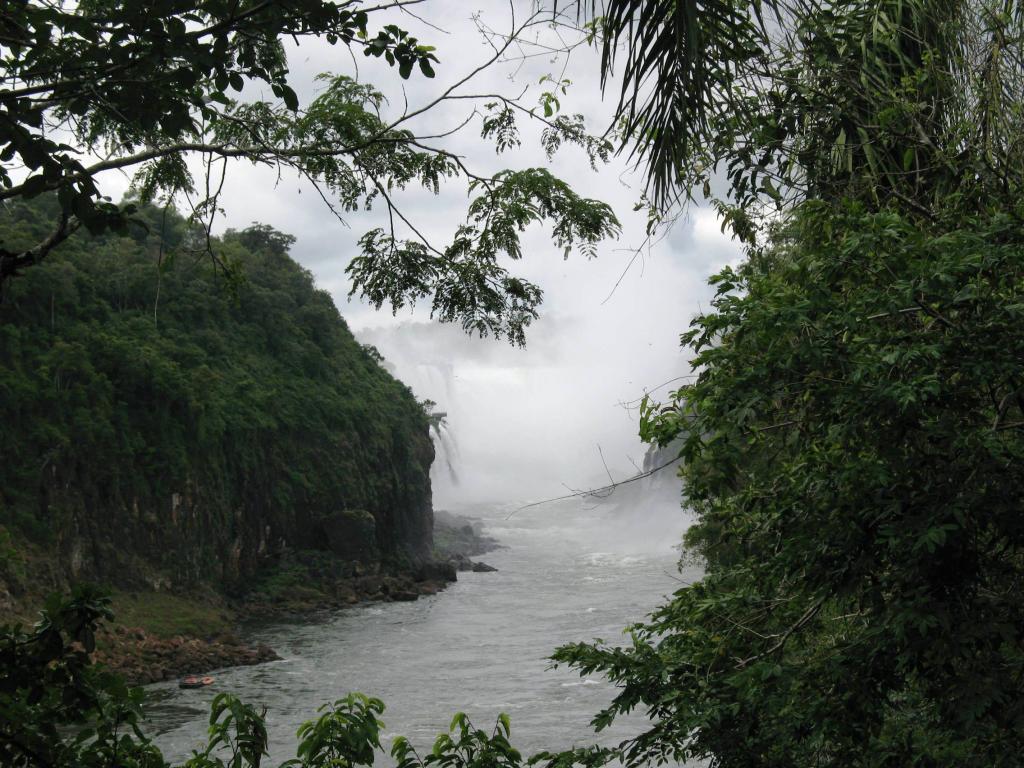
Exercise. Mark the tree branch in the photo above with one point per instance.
(809, 614)
(596, 491)
(11, 262)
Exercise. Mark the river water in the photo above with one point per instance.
(570, 571)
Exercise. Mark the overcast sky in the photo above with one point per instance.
(528, 422)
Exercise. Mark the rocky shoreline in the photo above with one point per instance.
(458, 539)
(141, 657)
(302, 586)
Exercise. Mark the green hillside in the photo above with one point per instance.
(167, 422)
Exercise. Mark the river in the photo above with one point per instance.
(570, 571)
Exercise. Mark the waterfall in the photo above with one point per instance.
(447, 453)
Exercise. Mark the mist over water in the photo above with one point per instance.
(522, 424)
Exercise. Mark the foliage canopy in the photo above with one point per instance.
(853, 452)
(852, 441)
(904, 103)
(88, 88)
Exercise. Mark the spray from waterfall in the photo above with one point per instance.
(446, 448)
(443, 472)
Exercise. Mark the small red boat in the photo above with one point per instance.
(192, 681)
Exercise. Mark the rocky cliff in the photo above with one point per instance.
(178, 413)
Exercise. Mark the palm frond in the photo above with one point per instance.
(680, 60)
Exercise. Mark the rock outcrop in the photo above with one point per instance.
(141, 657)
(458, 539)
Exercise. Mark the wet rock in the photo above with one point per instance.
(346, 594)
(455, 535)
(461, 562)
(433, 570)
(483, 568)
(369, 585)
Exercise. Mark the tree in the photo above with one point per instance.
(894, 103)
(48, 685)
(852, 441)
(853, 453)
(93, 87)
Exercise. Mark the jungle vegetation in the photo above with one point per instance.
(853, 435)
(138, 384)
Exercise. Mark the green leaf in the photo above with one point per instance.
(291, 100)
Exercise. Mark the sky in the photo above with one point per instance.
(528, 423)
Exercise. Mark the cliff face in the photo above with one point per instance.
(222, 529)
(165, 423)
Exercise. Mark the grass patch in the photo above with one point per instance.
(301, 575)
(166, 615)
(282, 581)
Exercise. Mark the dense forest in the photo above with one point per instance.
(164, 423)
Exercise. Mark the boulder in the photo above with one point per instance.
(367, 586)
(346, 594)
(483, 568)
(433, 570)
(461, 562)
